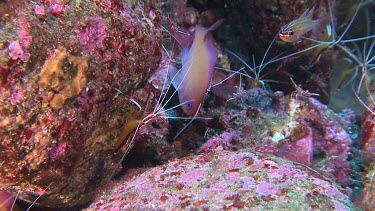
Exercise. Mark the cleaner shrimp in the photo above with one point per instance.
(127, 136)
(336, 39)
(190, 81)
(357, 51)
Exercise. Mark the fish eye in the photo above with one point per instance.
(189, 104)
(287, 33)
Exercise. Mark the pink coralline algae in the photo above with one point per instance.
(210, 182)
(229, 140)
(18, 49)
(25, 37)
(57, 10)
(17, 52)
(17, 97)
(40, 11)
(301, 150)
(92, 35)
(265, 189)
(292, 127)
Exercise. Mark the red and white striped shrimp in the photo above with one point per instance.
(191, 83)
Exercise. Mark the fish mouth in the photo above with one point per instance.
(286, 33)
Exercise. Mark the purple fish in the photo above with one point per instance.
(198, 64)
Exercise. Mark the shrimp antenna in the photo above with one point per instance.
(261, 67)
(40, 195)
(8, 199)
(363, 103)
(179, 132)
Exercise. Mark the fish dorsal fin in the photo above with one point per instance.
(308, 13)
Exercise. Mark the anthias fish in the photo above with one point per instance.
(198, 64)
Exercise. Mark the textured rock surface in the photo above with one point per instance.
(368, 135)
(367, 200)
(67, 70)
(368, 148)
(225, 181)
(296, 127)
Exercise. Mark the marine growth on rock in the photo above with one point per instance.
(140, 105)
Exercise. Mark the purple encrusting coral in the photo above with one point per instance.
(225, 181)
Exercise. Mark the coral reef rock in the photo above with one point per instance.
(367, 199)
(225, 180)
(296, 127)
(368, 135)
(67, 71)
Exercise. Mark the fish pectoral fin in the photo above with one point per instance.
(175, 76)
(185, 55)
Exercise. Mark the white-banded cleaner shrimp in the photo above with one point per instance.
(190, 91)
(356, 54)
(313, 47)
(253, 72)
(260, 67)
(128, 133)
(363, 67)
(160, 113)
(331, 33)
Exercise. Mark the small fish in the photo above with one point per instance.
(294, 30)
(198, 64)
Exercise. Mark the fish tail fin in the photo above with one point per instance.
(320, 25)
(216, 24)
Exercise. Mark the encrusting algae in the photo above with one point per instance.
(60, 86)
(75, 140)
